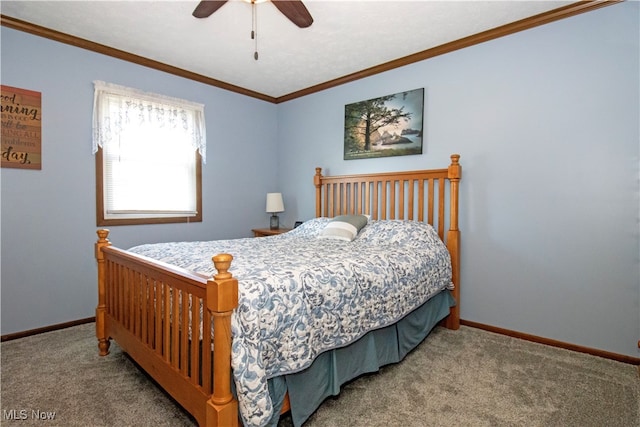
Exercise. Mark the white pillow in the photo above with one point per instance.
(344, 227)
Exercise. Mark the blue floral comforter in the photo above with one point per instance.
(300, 295)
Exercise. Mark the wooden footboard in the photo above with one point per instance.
(162, 316)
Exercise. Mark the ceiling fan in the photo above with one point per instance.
(292, 9)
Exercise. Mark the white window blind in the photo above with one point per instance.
(149, 145)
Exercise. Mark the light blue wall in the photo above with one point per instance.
(547, 125)
(48, 216)
(546, 121)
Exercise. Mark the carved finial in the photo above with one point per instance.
(454, 170)
(102, 235)
(222, 263)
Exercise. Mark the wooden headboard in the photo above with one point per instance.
(423, 195)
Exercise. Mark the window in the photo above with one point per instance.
(149, 149)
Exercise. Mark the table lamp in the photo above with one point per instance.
(274, 205)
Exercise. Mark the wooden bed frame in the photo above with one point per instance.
(146, 306)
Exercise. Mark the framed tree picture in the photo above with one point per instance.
(390, 125)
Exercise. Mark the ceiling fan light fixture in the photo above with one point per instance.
(294, 10)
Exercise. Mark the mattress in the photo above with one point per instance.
(301, 295)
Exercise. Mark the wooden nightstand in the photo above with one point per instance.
(263, 232)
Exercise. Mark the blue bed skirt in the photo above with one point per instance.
(309, 388)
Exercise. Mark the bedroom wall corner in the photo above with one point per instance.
(547, 125)
(48, 216)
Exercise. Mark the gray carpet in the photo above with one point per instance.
(468, 377)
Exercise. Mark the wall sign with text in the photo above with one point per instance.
(21, 128)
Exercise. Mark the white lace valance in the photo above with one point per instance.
(114, 107)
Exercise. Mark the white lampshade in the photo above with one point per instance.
(274, 202)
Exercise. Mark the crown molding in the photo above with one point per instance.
(494, 33)
(58, 36)
(504, 30)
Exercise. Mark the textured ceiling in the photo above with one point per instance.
(346, 36)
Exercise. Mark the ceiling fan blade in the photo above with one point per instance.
(206, 8)
(295, 11)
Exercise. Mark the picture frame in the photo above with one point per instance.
(21, 128)
(390, 125)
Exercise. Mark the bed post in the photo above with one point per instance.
(453, 240)
(101, 309)
(222, 299)
(317, 179)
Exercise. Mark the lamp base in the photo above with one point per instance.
(274, 223)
